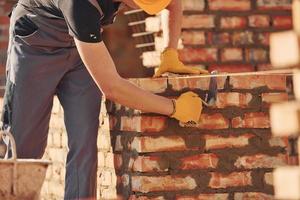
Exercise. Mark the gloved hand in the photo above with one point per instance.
(171, 63)
(188, 107)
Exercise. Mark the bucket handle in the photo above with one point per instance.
(6, 133)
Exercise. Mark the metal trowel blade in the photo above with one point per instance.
(213, 90)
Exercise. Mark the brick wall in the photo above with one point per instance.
(229, 155)
(231, 35)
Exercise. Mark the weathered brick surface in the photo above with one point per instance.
(218, 32)
(261, 161)
(253, 195)
(252, 120)
(284, 22)
(235, 179)
(193, 5)
(231, 54)
(273, 5)
(194, 55)
(233, 99)
(259, 21)
(163, 183)
(198, 21)
(231, 36)
(230, 5)
(193, 37)
(250, 82)
(204, 197)
(229, 154)
(233, 22)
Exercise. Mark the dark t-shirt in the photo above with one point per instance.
(84, 18)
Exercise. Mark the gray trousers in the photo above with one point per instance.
(42, 64)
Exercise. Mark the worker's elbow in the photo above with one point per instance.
(110, 91)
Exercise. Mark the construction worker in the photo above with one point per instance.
(56, 48)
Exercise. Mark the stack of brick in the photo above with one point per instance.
(285, 118)
(56, 152)
(231, 35)
(229, 155)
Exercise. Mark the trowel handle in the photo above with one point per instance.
(11, 142)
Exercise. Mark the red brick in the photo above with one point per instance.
(4, 20)
(229, 5)
(118, 161)
(279, 142)
(252, 120)
(284, 22)
(231, 68)
(272, 82)
(219, 142)
(264, 67)
(201, 161)
(233, 22)
(274, 5)
(193, 37)
(146, 164)
(213, 121)
(256, 55)
(232, 54)
(193, 5)
(261, 161)
(218, 38)
(191, 83)
(235, 179)
(198, 21)
(143, 123)
(189, 55)
(242, 38)
(112, 122)
(269, 98)
(233, 99)
(155, 85)
(3, 45)
(158, 144)
(147, 184)
(204, 197)
(252, 196)
(264, 38)
(2, 71)
(133, 197)
(259, 21)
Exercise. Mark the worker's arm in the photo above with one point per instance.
(169, 58)
(101, 66)
(175, 23)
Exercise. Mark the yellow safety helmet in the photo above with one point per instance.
(152, 6)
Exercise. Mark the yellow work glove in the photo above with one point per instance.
(188, 107)
(171, 63)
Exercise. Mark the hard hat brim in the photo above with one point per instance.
(152, 8)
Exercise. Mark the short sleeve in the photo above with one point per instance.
(83, 19)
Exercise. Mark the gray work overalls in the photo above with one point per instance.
(41, 64)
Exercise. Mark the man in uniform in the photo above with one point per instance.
(56, 48)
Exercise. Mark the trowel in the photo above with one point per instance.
(211, 97)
